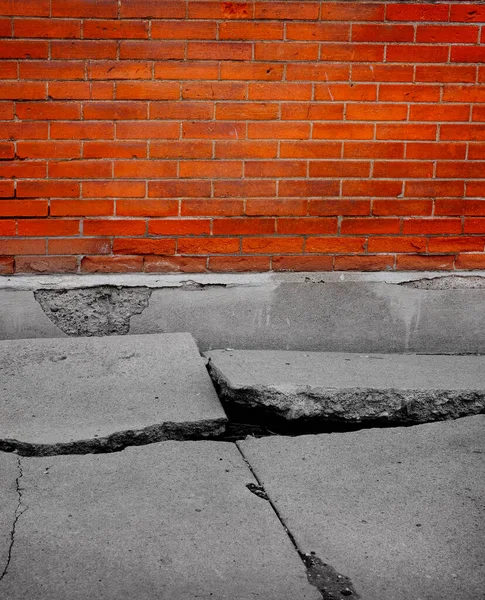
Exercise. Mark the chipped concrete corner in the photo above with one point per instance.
(95, 311)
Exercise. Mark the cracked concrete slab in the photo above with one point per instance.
(8, 506)
(400, 511)
(171, 521)
(350, 388)
(79, 395)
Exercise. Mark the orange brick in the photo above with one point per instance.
(402, 208)
(248, 226)
(434, 188)
(279, 91)
(85, 8)
(207, 245)
(181, 149)
(470, 261)
(77, 246)
(352, 52)
(69, 90)
(403, 131)
(16, 246)
(49, 110)
(23, 49)
(219, 51)
(51, 227)
(371, 188)
(168, 9)
(210, 168)
(119, 70)
(456, 112)
(177, 188)
(417, 53)
(295, 111)
(111, 264)
(242, 111)
(456, 244)
(174, 264)
(307, 226)
(147, 208)
(475, 151)
(376, 112)
(335, 245)
(283, 51)
(218, 90)
(107, 29)
(23, 208)
(48, 189)
(339, 168)
(183, 30)
(373, 150)
(343, 131)
(317, 72)
(272, 245)
(8, 69)
(324, 32)
(186, 70)
(364, 263)
(181, 110)
(244, 189)
(6, 110)
(214, 131)
(24, 131)
(53, 28)
(275, 168)
(447, 33)
(379, 225)
(382, 72)
(26, 8)
(409, 93)
(82, 131)
(286, 10)
(467, 170)
(179, 226)
(431, 226)
(81, 208)
(431, 150)
(339, 207)
(115, 110)
(79, 169)
(462, 132)
(397, 244)
(113, 189)
(114, 149)
(17, 90)
(231, 30)
(246, 150)
(333, 92)
(467, 54)
(459, 207)
(310, 149)
(150, 50)
(467, 13)
(308, 188)
(382, 33)
(16, 169)
(147, 130)
(143, 246)
(114, 226)
(6, 265)
(279, 130)
(6, 189)
(252, 71)
(209, 208)
(279, 207)
(150, 90)
(48, 150)
(302, 263)
(417, 12)
(82, 49)
(403, 169)
(463, 93)
(7, 150)
(239, 263)
(145, 169)
(448, 74)
(48, 264)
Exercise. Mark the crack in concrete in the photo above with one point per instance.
(19, 511)
(446, 282)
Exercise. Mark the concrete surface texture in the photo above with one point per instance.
(337, 312)
(86, 394)
(350, 387)
(169, 521)
(400, 511)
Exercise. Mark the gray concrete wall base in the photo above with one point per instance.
(430, 312)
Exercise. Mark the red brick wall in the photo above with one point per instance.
(164, 135)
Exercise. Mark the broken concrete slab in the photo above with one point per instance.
(9, 502)
(171, 521)
(351, 388)
(400, 511)
(100, 394)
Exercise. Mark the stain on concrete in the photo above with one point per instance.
(447, 282)
(96, 311)
(327, 580)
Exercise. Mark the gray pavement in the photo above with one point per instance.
(400, 511)
(322, 386)
(81, 394)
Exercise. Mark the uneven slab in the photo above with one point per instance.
(9, 501)
(171, 521)
(100, 394)
(400, 511)
(350, 387)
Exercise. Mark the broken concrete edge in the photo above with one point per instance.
(178, 280)
(302, 406)
(193, 431)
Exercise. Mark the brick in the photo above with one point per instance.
(48, 150)
(23, 49)
(371, 188)
(46, 70)
(24, 131)
(286, 10)
(456, 244)
(85, 8)
(79, 246)
(207, 245)
(8, 69)
(53, 28)
(433, 188)
(26, 8)
(48, 189)
(79, 169)
(294, 111)
(114, 149)
(17, 169)
(279, 130)
(279, 207)
(120, 70)
(272, 245)
(48, 264)
(143, 246)
(114, 226)
(181, 110)
(6, 110)
(209, 208)
(382, 33)
(23, 208)
(334, 92)
(244, 189)
(239, 263)
(6, 189)
(343, 131)
(83, 49)
(310, 149)
(431, 226)
(275, 168)
(219, 51)
(410, 245)
(147, 208)
(210, 168)
(241, 149)
(470, 261)
(177, 188)
(150, 90)
(213, 131)
(376, 112)
(69, 90)
(417, 53)
(463, 93)
(352, 11)
(447, 33)
(111, 264)
(147, 130)
(324, 32)
(382, 72)
(242, 111)
(218, 90)
(430, 150)
(49, 110)
(467, 170)
(467, 13)
(106, 111)
(232, 30)
(467, 54)
(339, 207)
(51, 227)
(335, 245)
(282, 51)
(219, 10)
(179, 226)
(183, 30)
(373, 150)
(417, 12)
(186, 70)
(16, 246)
(317, 72)
(6, 27)
(379, 225)
(409, 93)
(181, 149)
(308, 188)
(339, 168)
(302, 263)
(174, 264)
(402, 169)
(113, 189)
(352, 52)
(7, 150)
(456, 112)
(424, 263)
(167, 9)
(475, 151)
(454, 207)
(17, 90)
(310, 226)
(248, 226)
(81, 208)
(82, 131)
(6, 265)
(402, 131)
(402, 208)
(462, 132)
(474, 189)
(252, 71)
(151, 50)
(279, 91)
(364, 263)
(145, 169)
(106, 29)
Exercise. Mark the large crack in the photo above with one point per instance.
(19, 511)
(446, 282)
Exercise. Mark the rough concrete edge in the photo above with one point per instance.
(120, 440)
(35, 282)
